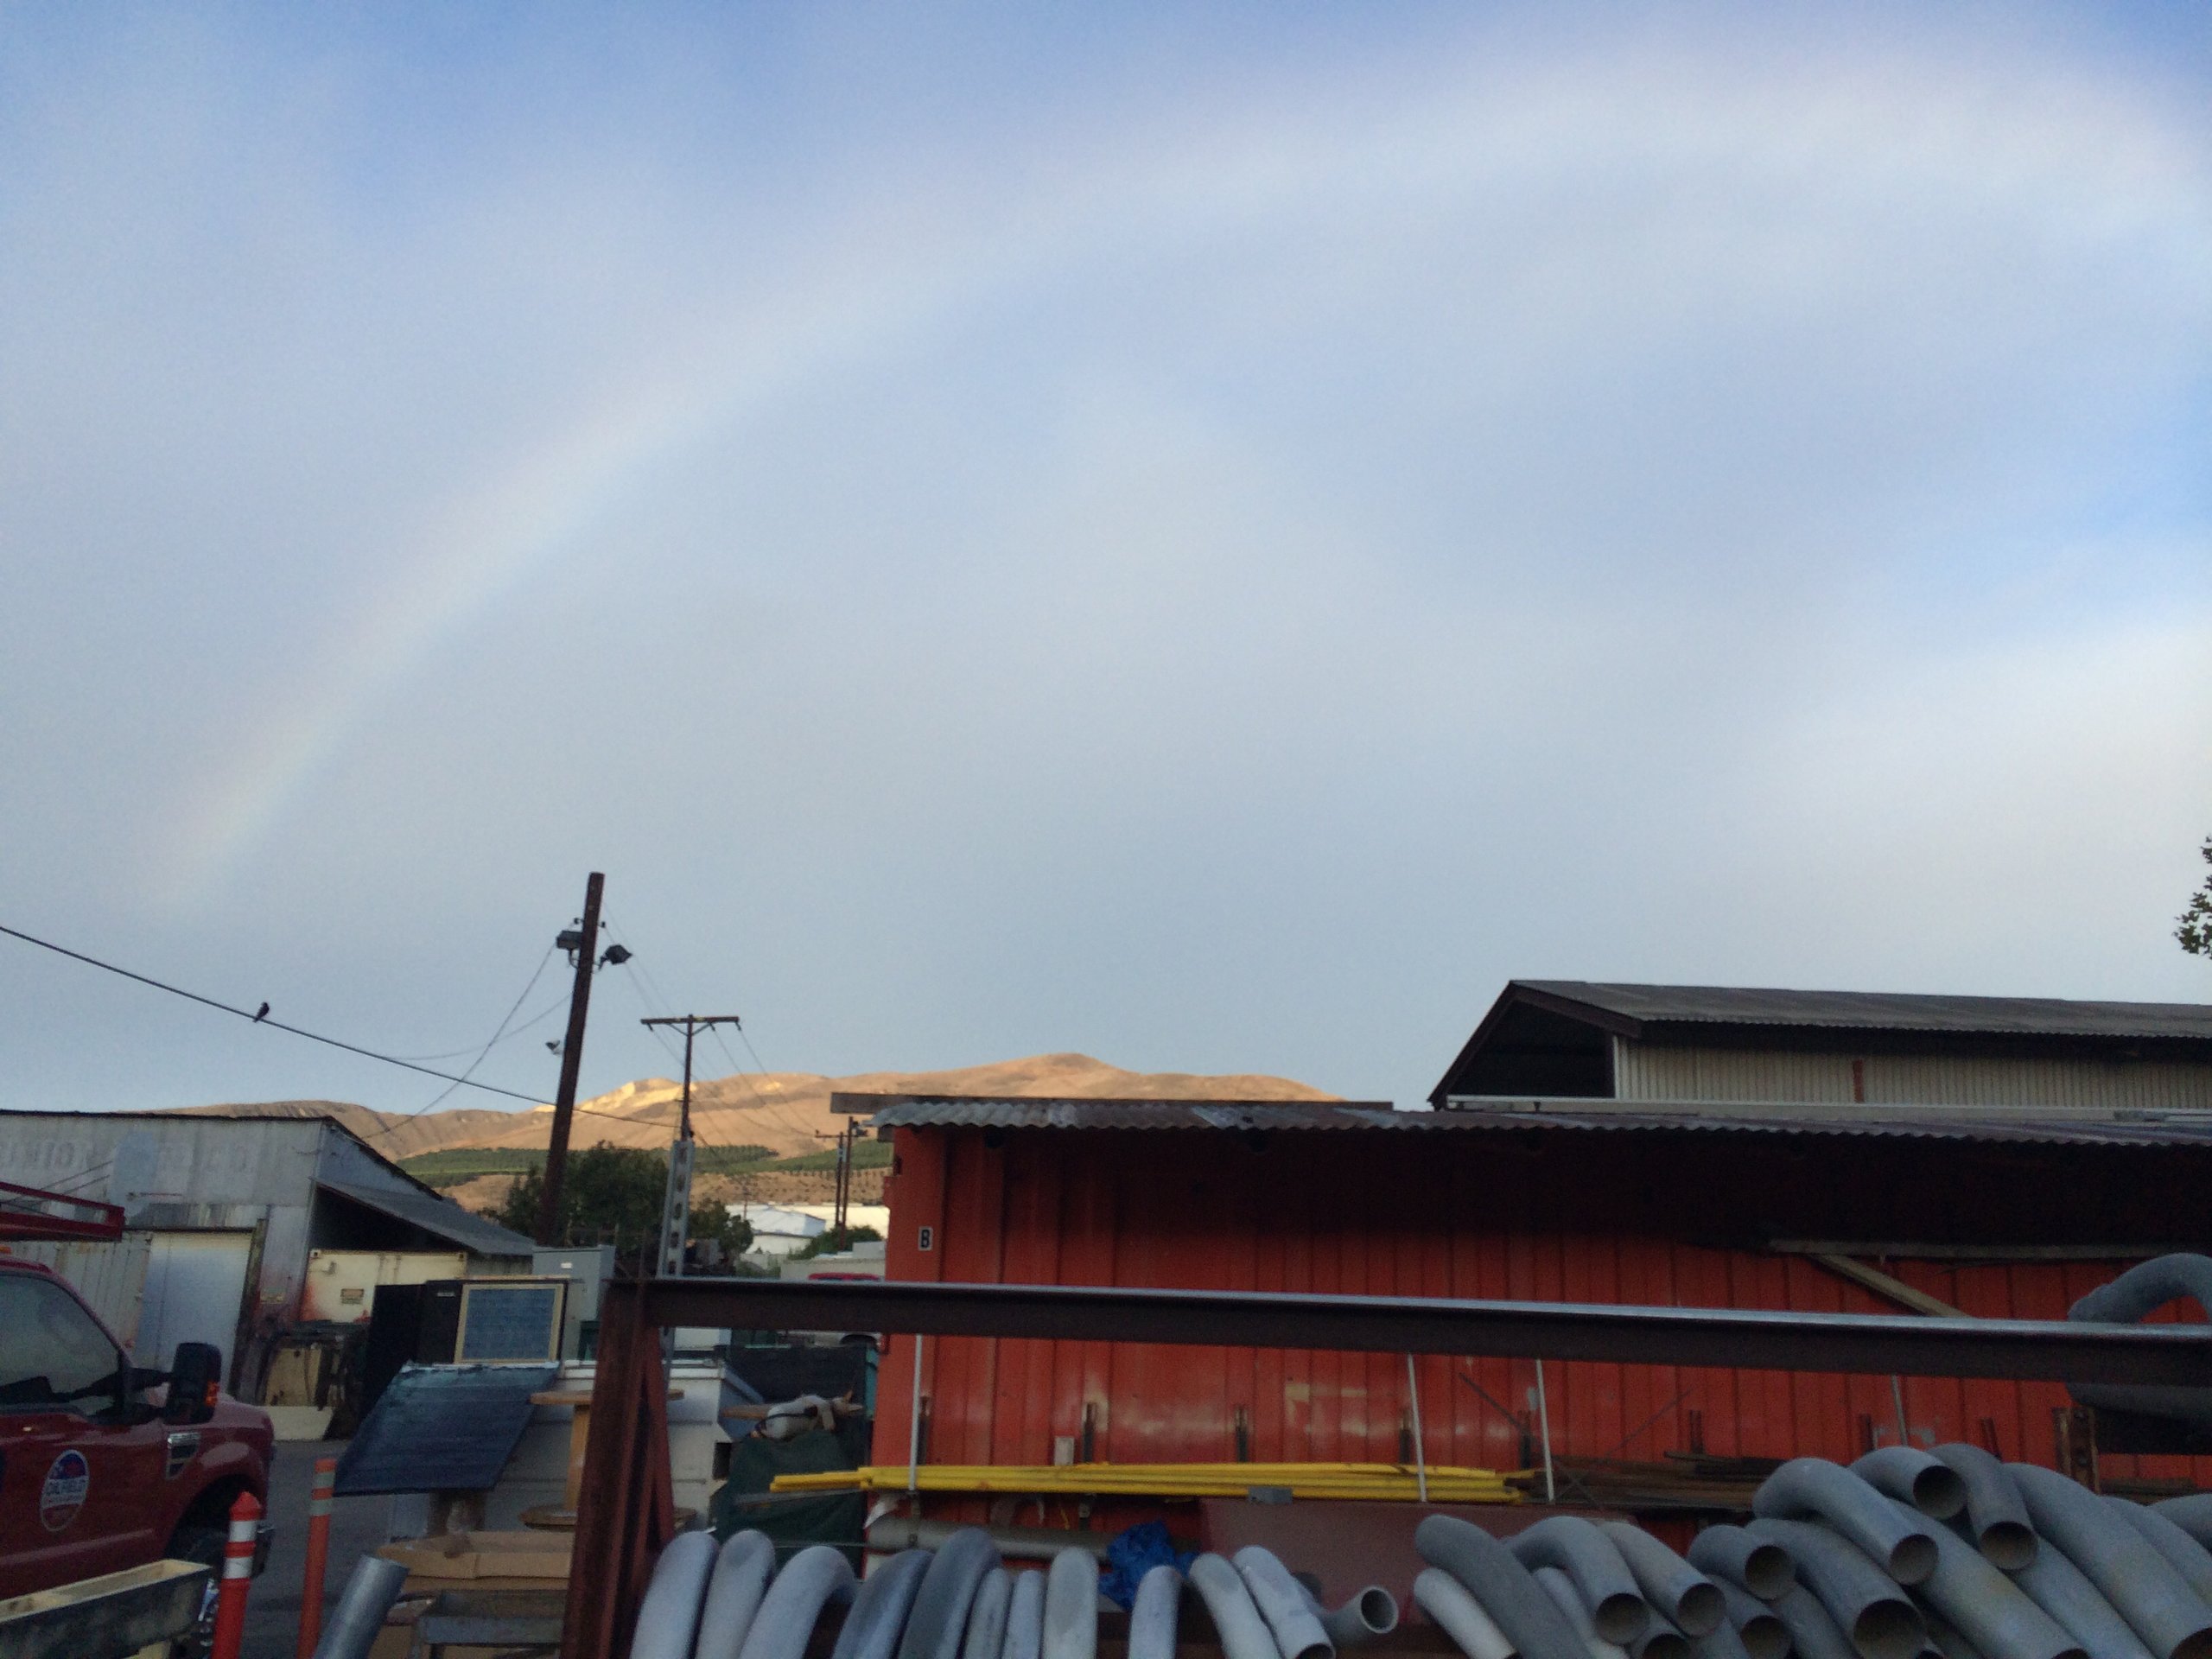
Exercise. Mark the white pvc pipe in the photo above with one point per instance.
(1544, 1428)
(1460, 1617)
(1420, 1454)
(742, 1570)
(1238, 1624)
(915, 1425)
(668, 1618)
(1283, 1604)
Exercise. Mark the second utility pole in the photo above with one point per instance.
(676, 1219)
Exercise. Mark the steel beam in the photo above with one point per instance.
(1871, 1343)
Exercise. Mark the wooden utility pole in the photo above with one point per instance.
(586, 950)
(846, 1136)
(676, 1219)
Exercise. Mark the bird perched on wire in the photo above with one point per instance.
(261, 1014)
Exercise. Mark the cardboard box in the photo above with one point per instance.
(526, 1560)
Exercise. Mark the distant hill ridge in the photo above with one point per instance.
(787, 1112)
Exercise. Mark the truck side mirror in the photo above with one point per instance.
(195, 1380)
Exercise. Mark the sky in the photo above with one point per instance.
(1213, 535)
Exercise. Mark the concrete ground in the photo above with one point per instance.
(357, 1526)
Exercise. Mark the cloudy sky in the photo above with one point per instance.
(1212, 536)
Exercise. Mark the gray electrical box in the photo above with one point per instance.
(587, 1267)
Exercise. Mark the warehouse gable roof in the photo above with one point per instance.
(1548, 1022)
(1632, 1008)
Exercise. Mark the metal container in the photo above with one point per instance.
(107, 1617)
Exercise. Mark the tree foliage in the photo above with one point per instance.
(827, 1244)
(614, 1194)
(2193, 927)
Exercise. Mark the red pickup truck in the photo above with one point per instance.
(95, 1477)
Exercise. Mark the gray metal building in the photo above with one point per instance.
(1718, 1046)
(223, 1212)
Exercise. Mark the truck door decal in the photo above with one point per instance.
(63, 1495)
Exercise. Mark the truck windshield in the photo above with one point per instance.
(52, 1352)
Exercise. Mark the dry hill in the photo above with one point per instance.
(786, 1112)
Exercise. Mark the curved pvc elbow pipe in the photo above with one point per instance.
(810, 1580)
(986, 1617)
(1283, 1604)
(1367, 1614)
(2146, 1287)
(1762, 1635)
(1812, 1633)
(1152, 1615)
(2063, 1591)
(1723, 1642)
(2192, 1514)
(668, 1618)
(1494, 1576)
(1586, 1555)
(1988, 1609)
(2126, 1300)
(939, 1622)
(1813, 1488)
(1731, 1555)
(1684, 1596)
(1916, 1477)
(1877, 1618)
(1071, 1605)
(1244, 1634)
(1459, 1616)
(1560, 1588)
(1025, 1619)
(2182, 1553)
(743, 1569)
(358, 1620)
(1659, 1640)
(2127, 1572)
(881, 1607)
(1995, 1511)
(1943, 1636)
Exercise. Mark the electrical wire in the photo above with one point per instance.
(262, 1019)
(499, 1032)
(534, 1019)
(643, 982)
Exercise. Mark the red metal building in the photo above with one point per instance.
(1590, 1201)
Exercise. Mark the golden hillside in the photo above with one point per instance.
(787, 1112)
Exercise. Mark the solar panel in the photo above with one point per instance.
(441, 1428)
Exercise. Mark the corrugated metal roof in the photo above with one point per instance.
(1881, 1011)
(915, 1111)
(435, 1215)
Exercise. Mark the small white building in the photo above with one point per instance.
(781, 1229)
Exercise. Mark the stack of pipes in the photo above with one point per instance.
(1904, 1554)
(958, 1602)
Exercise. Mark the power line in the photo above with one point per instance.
(262, 1019)
(506, 1036)
(498, 1031)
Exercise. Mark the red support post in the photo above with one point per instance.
(237, 1578)
(326, 1476)
(628, 1510)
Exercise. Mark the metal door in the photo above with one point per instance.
(195, 1292)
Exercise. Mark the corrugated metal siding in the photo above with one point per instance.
(1657, 1072)
(1389, 1215)
(109, 1273)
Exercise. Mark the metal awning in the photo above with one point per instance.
(435, 1215)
